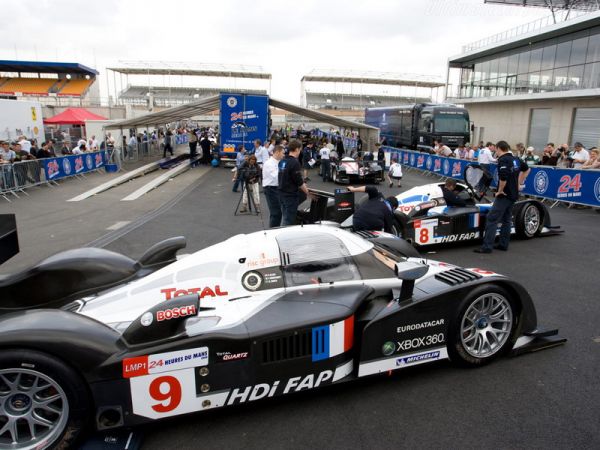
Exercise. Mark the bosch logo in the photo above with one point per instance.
(67, 166)
(175, 313)
(541, 182)
(232, 102)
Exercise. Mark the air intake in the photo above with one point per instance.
(457, 276)
(283, 348)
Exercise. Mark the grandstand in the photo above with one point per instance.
(351, 90)
(165, 84)
(46, 81)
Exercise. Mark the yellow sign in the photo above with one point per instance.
(33, 114)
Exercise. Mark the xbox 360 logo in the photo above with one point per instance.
(388, 348)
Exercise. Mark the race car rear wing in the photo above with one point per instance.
(9, 240)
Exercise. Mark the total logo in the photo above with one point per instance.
(202, 292)
(541, 182)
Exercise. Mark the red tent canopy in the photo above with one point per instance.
(73, 116)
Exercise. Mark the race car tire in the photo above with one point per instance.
(528, 221)
(484, 327)
(39, 391)
(334, 176)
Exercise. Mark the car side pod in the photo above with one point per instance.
(408, 272)
(538, 339)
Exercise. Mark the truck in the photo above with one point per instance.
(416, 126)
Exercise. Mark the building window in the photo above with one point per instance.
(524, 62)
(586, 127)
(539, 127)
(593, 52)
(591, 76)
(548, 57)
(563, 52)
(576, 77)
(578, 51)
(535, 60)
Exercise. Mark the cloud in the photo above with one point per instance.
(288, 39)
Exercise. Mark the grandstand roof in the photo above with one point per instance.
(556, 4)
(183, 68)
(371, 77)
(211, 104)
(45, 67)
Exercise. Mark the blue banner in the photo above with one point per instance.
(67, 166)
(567, 185)
(244, 118)
(181, 139)
(349, 143)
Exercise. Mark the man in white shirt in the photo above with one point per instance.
(485, 156)
(25, 144)
(325, 153)
(270, 184)
(261, 153)
(579, 156)
(93, 144)
(395, 173)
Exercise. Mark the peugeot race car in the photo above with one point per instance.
(91, 337)
(349, 170)
(424, 219)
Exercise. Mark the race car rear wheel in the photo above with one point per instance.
(484, 327)
(528, 221)
(43, 403)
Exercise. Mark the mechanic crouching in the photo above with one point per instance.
(377, 213)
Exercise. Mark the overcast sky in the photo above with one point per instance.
(288, 39)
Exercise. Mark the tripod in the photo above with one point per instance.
(251, 203)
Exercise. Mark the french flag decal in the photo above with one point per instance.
(332, 340)
(474, 220)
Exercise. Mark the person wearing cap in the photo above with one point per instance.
(531, 158)
(377, 213)
(579, 156)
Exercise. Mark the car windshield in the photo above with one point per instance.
(451, 123)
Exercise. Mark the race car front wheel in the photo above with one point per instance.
(484, 327)
(528, 221)
(43, 402)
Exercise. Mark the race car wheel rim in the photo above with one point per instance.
(34, 409)
(531, 219)
(486, 325)
(334, 176)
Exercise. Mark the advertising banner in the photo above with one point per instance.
(567, 185)
(244, 118)
(66, 166)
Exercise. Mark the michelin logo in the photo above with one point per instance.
(415, 359)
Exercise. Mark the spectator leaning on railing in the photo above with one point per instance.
(531, 158)
(594, 161)
(579, 156)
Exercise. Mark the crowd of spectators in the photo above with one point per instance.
(563, 156)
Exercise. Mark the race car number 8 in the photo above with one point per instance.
(424, 235)
(165, 389)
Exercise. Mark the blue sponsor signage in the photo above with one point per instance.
(568, 185)
(66, 166)
(244, 118)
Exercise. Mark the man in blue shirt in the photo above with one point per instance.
(239, 161)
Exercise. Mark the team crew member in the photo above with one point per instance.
(395, 173)
(376, 213)
(292, 189)
(271, 186)
(450, 196)
(511, 174)
(325, 153)
(262, 154)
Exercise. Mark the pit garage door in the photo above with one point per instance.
(539, 128)
(586, 127)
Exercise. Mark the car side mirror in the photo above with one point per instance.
(408, 272)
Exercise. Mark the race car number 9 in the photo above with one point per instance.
(165, 389)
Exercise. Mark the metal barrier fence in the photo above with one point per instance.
(581, 187)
